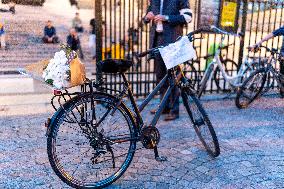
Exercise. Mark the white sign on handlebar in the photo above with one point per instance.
(178, 52)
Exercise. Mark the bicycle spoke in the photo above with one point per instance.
(89, 153)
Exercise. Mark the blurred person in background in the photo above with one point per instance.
(74, 3)
(92, 38)
(50, 33)
(77, 23)
(11, 8)
(74, 43)
(2, 35)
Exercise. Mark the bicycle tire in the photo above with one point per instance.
(269, 79)
(241, 95)
(62, 170)
(194, 108)
(269, 83)
(218, 73)
(189, 68)
(254, 66)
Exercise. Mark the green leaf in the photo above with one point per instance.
(49, 81)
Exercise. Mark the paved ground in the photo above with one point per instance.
(252, 152)
(252, 140)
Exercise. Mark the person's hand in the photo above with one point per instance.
(160, 18)
(254, 47)
(150, 16)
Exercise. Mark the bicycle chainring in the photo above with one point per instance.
(150, 137)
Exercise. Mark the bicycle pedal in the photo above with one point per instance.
(161, 159)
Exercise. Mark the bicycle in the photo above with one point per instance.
(216, 64)
(194, 75)
(91, 139)
(254, 85)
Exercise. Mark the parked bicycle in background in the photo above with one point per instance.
(216, 64)
(191, 67)
(254, 85)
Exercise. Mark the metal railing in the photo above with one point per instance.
(123, 34)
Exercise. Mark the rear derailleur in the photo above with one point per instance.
(101, 147)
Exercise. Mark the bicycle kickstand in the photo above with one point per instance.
(157, 157)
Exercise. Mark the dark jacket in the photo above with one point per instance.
(2, 31)
(50, 32)
(174, 27)
(73, 43)
(279, 32)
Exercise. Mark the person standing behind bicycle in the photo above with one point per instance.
(168, 18)
(278, 32)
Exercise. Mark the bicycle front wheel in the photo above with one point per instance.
(251, 88)
(87, 146)
(191, 73)
(201, 123)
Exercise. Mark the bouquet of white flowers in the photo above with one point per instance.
(57, 72)
(63, 71)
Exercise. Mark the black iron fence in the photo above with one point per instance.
(123, 34)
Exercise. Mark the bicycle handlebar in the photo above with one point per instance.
(140, 55)
(275, 51)
(189, 35)
(220, 31)
(191, 38)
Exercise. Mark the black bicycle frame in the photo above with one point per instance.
(138, 110)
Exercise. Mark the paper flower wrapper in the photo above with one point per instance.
(62, 72)
(78, 73)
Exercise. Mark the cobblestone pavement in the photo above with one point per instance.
(252, 150)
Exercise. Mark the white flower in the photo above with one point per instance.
(57, 70)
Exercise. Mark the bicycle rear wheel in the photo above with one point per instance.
(201, 123)
(231, 68)
(251, 88)
(86, 155)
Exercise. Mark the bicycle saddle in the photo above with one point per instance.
(114, 65)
